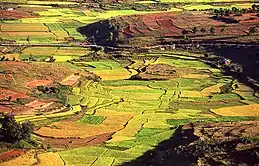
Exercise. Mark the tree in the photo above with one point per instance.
(216, 11)
(212, 30)
(194, 30)
(203, 30)
(27, 128)
(13, 131)
(221, 11)
(227, 12)
(252, 30)
(185, 32)
(3, 58)
(52, 59)
(234, 10)
(254, 7)
(186, 38)
(222, 30)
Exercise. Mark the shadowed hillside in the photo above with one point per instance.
(206, 144)
(101, 33)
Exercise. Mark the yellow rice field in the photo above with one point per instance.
(246, 110)
(23, 28)
(190, 94)
(50, 159)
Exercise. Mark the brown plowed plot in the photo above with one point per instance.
(133, 29)
(16, 64)
(170, 25)
(35, 83)
(199, 19)
(5, 94)
(142, 28)
(250, 21)
(126, 32)
(15, 14)
(246, 18)
(151, 25)
(77, 142)
(37, 104)
(14, 109)
(10, 154)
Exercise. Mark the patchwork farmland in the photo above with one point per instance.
(129, 82)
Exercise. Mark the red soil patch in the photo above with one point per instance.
(171, 25)
(35, 83)
(151, 25)
(10, 154)
(19, 64)
(5, 94)
(15, 14)
(70, 80)
(250, 21)
(13, 109)
(36, 104)
(74, 142)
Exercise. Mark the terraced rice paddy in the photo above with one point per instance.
(140, 114)
(96, 107)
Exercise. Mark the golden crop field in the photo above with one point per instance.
(247, 110)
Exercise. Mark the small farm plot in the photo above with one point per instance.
(109, 70)
(90, 119)
(23, 28)
(26, 32)
(182, 63)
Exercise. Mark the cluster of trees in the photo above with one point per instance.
(226, 12)
(45, 89)
(58, 91)
(32, 58)
(3, 58)
(212, 30)
(252, 30)
(195, 30)
(13, 131)
(131, 6)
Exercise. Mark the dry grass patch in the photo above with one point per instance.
(212, 89)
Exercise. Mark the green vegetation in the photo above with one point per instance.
(140, 114)
(91, 119)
